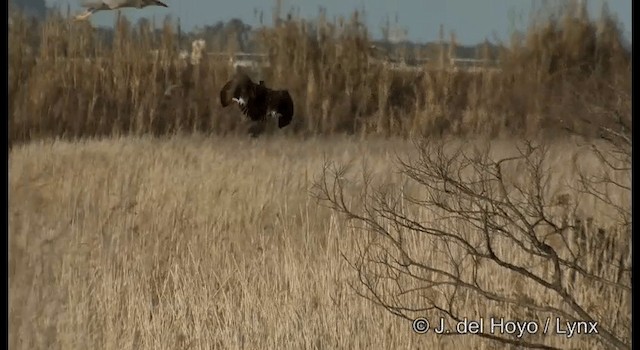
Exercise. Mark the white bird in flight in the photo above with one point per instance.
(106, 5)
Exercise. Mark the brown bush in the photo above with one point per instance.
(66, 82)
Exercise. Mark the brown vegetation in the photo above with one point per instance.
(505, 239)
(64, 81)
(165, 243)
(193, 241)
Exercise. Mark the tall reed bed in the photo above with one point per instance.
(566, 71)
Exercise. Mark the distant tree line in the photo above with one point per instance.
(240, 36)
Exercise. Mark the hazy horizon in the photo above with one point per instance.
(473, 22)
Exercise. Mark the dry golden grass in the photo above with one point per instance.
(208, 243)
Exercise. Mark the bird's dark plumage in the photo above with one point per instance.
(257, 101)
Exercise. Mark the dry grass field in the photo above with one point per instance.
(204, 243)
(144, 221)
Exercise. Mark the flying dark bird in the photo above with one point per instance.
(256, 101)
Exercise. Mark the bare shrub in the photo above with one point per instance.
(504, 242)
(509, 238)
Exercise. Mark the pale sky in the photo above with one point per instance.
(472, 20)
